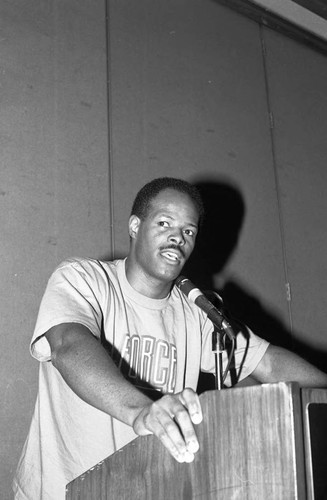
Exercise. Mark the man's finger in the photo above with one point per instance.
(192, 402)
(176, 446)
(185, 424)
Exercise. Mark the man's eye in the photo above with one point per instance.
(163, 223)
(189, 232)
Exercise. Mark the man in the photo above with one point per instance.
(113, 336)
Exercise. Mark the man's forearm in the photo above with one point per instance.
(90, 372)
(279, 365)
(92, 375)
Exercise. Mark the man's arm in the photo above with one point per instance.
(279, 365)
(92, 375)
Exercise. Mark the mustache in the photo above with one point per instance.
(172, 246)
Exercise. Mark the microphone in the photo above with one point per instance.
(195, 295)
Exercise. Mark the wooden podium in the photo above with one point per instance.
(255, 444)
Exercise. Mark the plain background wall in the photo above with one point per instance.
(190, 96)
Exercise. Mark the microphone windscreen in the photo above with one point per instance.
(184, 284)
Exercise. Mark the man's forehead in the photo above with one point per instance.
(170, 199)
(172, 195)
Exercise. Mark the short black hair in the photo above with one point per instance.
(146, 194)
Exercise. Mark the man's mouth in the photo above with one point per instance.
(174, 255)
(170, 255)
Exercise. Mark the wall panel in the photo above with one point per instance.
(297, 80)
(54, 179)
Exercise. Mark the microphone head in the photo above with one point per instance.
(179, 280)
(185, 285)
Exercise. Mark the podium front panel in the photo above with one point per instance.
(251, 448)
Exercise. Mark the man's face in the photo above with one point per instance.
(164, 240)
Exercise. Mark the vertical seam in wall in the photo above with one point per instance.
(110, 167)
(109, 114)
(277, 183)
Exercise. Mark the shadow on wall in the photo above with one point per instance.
(218, 238)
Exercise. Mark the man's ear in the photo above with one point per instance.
(133, 225)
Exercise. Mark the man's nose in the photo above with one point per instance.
(177, 236)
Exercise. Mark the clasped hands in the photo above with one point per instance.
(171, 420)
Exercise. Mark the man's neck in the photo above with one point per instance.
(144, 284)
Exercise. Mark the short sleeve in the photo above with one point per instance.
(71, 296)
